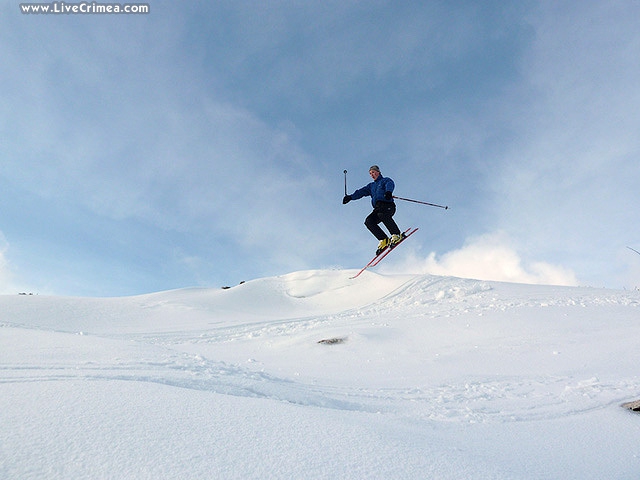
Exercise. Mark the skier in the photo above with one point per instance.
(381, 193)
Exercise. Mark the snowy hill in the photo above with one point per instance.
(422, 377)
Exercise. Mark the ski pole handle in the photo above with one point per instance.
(345, 182)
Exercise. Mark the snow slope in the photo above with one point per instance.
(430, 377)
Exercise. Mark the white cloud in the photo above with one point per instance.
(564, 183)
(118, 139)
(490, 257)
(6, 277)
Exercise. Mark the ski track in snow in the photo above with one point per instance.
(481, 401)
(499, 399)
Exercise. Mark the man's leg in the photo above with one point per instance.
(386, 217)
(372, 222)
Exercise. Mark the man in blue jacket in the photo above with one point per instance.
(381, 193)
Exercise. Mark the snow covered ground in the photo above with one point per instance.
(426, 377)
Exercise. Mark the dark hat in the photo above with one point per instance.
(374, 167)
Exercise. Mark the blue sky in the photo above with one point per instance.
(205, 143)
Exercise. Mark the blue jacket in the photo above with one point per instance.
(375, 190)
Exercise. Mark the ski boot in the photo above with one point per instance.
(395, 240)
(382, 246)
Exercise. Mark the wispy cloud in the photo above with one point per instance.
(117, 129)
(567, 181)
(7, 285)
(488, 257)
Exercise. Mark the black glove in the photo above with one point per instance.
(346, 199)
(388, 196)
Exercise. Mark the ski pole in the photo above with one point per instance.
(423, 203)
(345, 183)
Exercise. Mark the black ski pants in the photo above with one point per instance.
(382, 213)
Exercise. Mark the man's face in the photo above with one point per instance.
(374, 174)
